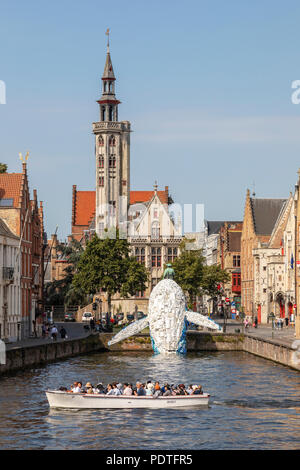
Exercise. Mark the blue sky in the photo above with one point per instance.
(206, 86)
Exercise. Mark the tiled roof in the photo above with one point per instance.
(10, 187)
(265, 214)
(85, 204)
(85, 207)
(145, 196)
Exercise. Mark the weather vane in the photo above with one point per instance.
(22, 158)
(107, 34)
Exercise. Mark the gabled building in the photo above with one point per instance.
(24, 219)
(260, 218)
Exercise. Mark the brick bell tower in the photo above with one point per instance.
(112, 148)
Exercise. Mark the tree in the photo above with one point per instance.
(106, 264)
(3, 168)
(193, 276)
(212, 276)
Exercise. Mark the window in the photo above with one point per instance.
(155, 230)
(101, 229)
(4, 202)
(172, 254)
(100, 140)
(236, 261)
(140, 294)
(103, 113)
(101, 161)
(112, 161)
(112, 141)
(140, 255)
(112, 208)
(156, 257)
(101, 180)
(110, 113)
(236, 279)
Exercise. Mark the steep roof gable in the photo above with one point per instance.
(265, 214)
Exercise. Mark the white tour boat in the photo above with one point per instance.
(58, 399)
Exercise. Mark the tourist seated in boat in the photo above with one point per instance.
(116, 389)
(149, 388)
(140, 391)
(89, 388)
(127, 389)
(180, 390)
(197, 390)
(110, 390)
(190, 389)
(76, 387)
(100, 387)
(167, 390)
(157, 390)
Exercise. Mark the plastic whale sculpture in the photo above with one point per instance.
(167, 319)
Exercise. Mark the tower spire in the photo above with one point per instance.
(108, 102)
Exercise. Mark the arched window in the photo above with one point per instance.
(101, 181)
(140, 255)
(110, 86)
(101, 141)
(110, 110)
(112, 161)
(101, 161)
(112, 141)
(103, 113)
(104, 86)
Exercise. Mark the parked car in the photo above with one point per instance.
(69, 316)
(87, 316)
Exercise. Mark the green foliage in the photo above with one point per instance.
(106, 264)
(3, 168)
(193, 276)
(188, 269)
(212, 276)
(62, 291)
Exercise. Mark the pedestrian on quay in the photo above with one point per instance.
(44, 331)
(54, 332)
(286, 321)
(255, 322)
(34, 328)
(92, 324)
(63, 333)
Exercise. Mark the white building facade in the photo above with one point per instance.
(10, 287)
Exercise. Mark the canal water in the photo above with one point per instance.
(255, 404)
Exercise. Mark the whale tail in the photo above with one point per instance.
(130, 330)
(201, 320)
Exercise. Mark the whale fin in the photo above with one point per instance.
(201, 320)
(130, 330)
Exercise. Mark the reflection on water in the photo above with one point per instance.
(255, 404)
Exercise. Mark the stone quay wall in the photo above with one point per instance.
(272, 350)
(37, 355)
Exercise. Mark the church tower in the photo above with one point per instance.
(112, 148)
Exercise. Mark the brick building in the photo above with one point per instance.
(260, 217)
(25, 219)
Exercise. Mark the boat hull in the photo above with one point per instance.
(59, 399)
